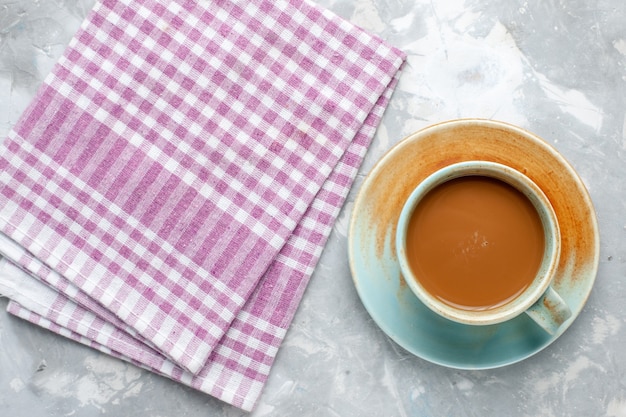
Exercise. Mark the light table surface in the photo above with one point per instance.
(556, 68)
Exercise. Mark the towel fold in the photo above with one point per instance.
(169, 190)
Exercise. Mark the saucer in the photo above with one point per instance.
(371, 242)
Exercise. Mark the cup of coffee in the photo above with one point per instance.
(478, 243)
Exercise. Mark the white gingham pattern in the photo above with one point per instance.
(235, 375)
(283, 138)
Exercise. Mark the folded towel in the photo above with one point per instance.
(171, 186)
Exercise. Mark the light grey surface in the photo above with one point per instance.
(557, 68)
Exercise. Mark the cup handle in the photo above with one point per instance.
(550, 311)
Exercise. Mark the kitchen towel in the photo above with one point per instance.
(176, 176)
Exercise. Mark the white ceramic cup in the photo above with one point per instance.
(539, 300)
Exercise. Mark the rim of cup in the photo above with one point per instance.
(552, 239)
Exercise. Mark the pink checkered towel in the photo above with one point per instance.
(171, 186)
